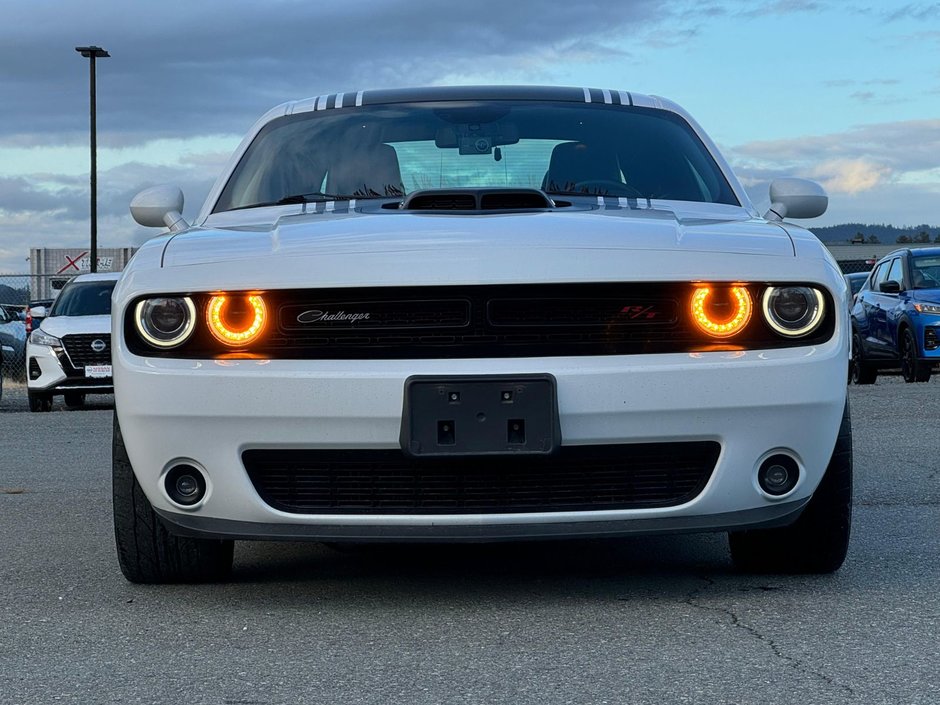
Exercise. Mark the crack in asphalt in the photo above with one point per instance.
(790, 661)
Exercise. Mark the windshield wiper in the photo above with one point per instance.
(601, 191)
(312, 197)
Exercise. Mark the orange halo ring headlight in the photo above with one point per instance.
(240, 327)
(721, 324)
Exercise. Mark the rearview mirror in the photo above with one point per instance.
(159, 206)
(796, 198)
(889, 287)
(38, 312)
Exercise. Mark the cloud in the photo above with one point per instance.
(905, 146)
(913, 11)
(850, 176)
(227, 63)
(782, 7)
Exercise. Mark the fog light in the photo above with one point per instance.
(778, 475)
(185, 484)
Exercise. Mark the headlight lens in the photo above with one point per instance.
(793, 310)
(40, 337)
(165, 322)
(927, 308)
(721, 312)
(236, 320)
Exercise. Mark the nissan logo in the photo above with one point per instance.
(98, 345)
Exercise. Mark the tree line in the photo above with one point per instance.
(878, 234)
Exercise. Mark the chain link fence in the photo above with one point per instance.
(18, 293)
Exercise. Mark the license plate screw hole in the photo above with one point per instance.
(454, 397)
(506, 396)
(446, 433)
(516, 431)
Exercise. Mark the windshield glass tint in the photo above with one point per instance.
(925, 272)
(84, 299)
(391, 150)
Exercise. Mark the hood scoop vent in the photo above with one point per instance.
(484, 200)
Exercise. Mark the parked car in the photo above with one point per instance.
(479, 313)
(70, 353)
(854, 281)
(896, 317)
(12, 342)
(33, 308)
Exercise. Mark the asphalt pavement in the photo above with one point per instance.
(643, 620)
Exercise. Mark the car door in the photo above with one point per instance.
(886, 312)
(863, 313)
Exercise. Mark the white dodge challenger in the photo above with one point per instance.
(478, 314)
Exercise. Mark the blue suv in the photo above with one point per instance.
(896, 317)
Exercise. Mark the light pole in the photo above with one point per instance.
(93, 53)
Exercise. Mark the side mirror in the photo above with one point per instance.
(38, 312)
(889, 287)
(158, 207)
(796, 198)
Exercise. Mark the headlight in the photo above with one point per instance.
(165, 322)
(927, 308)
(721, 312)
(793, 310)
(40, 337)
(236, 320)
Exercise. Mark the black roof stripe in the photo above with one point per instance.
(446, 93)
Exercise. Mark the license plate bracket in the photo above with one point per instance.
(480, 415)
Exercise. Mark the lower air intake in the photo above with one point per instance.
(579, 478)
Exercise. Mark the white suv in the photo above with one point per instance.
(70, 353)
(479, 314)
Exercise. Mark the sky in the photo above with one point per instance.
(847, 93)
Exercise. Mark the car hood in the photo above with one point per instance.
(620, 229)
(76, 325)
(930, 296)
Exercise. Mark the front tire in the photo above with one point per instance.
(74, 400)
(862, 372)
(912, 369)
(147, 552)
(39, 402)
(818, 541)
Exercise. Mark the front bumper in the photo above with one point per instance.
(58, 376)
(208, 412)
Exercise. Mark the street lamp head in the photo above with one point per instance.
(93, 51)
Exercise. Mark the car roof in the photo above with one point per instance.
(914, 251)
(97, 277)
(384, 96)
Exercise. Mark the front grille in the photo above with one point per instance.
(80, 351)
(579, 478)
(490, 321)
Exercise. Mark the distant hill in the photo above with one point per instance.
(9, 295)
(883, 234)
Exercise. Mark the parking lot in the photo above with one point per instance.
(644, 620)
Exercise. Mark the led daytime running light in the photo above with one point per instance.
(220, 330)
(181, 336)
(815, 319)
(728, 327)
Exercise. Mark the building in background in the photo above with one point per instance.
(51, 268)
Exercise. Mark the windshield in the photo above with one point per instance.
(925, 272)
(388, 151)
(84, 299)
